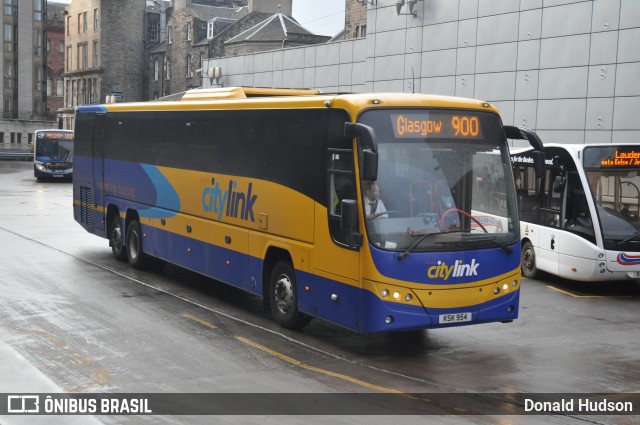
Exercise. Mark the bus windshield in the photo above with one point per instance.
(54, 150)
(441, 173)
(617, 197)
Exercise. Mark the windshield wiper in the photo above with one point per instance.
(629, 239)
(421, 239)
(505, 248)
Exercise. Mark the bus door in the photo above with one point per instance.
(100, 216)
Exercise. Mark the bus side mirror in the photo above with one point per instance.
(367, 136)
(349, 218)
(369, 165)
(349, 221)
(538, 163)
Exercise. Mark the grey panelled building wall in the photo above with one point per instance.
(570, 69)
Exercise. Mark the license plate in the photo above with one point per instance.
(58, 175)
(454, 318)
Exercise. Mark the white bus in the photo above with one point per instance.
(581, 219)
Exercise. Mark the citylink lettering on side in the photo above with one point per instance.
(443, 271)
(232, 202)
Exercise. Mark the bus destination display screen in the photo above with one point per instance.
(612, 157)
(55, 135)
(436, 126)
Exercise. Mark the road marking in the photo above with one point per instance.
(571, 294)
(199, 320)
(317, 369)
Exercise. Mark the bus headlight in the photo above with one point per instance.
(41, 167)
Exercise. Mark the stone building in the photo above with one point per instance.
(174, 61)
(23, 86)
(104, 53)
(355, 19)
(55, 58)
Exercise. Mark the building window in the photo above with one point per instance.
(7, 8)
(189, 66)
(189, 31)
(210, 30)
(83, 59)
(361, 31)
(69, 55)
(59, 86)
(8, 74)
(37, 10)
(156, 70)
(95, 19)
(68, 25)
(8, 37)
(48, 46)
(201, 64)
(169, 35)
(85, 56)
(37, 78)
(84, 21)
(95, 54)
(61, 47)
(167, 68)
(49, 86)
(37, 42)
(79, 22)
(154, 31)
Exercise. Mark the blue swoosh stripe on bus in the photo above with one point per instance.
(167, 197)
(92, 108)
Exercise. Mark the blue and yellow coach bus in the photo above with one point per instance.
(264, 189)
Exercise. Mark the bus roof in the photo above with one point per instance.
(250, 97)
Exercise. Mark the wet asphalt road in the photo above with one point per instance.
(88, 323)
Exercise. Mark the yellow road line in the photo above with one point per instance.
(199, 320)
(571, 294)
(317, 369)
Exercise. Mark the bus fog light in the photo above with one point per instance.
(388, 320)
(505, 287)
(407, 297)
(396, 295)
(385, 293)
(514, 283)
(496, 290)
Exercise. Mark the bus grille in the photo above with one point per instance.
(86, 216)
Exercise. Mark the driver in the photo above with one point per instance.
(374, 207)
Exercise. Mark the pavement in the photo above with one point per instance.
(19, 376)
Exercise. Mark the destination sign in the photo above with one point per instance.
(55, 135)
(436, 125)
(612, 157)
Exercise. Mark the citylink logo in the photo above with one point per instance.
(233, 202)
(23, 404)
(443, 271)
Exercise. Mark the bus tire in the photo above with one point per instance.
(116, 240)
(283, 297)
(135, 252)
(528, 261)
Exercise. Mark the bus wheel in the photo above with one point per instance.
(116, 239)
(283, 297)
(528, 261)
(135, 254)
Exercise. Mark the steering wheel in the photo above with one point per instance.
(444, 214)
